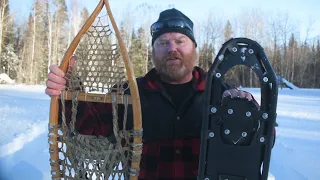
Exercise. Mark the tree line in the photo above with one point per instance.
(27, 49)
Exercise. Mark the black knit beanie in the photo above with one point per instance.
(174, 14)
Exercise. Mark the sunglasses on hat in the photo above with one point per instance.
(169, 24)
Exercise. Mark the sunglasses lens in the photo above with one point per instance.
(173, 23)
(176, 23)
(156, 27)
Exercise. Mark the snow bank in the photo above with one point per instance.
(5, 79)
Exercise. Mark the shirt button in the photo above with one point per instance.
(178, 151)
(178, 118)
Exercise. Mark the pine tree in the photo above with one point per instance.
(43, 35)
(12, 60)
(60, 18)
(24, 72)
(138, 52)
(292, 56)
(33, 68)
(84, 16)
(205, 56)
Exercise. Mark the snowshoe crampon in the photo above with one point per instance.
(237, 136)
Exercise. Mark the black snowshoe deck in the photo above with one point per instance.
(237, 135)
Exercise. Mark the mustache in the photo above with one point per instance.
(174, 55)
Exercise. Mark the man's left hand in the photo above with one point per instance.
(237, 93)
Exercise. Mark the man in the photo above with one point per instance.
(171, 101)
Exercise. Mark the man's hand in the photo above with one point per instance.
(236, 93)
(56, 79)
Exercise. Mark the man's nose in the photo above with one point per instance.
(172, 46)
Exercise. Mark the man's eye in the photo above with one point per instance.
(180, 41)
(162, 43)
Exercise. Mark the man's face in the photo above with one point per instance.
(174, 56)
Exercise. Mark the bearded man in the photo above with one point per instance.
(171, 101)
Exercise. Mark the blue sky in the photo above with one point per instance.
(298, 10)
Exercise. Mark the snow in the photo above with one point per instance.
(24, 146)
(5, 79)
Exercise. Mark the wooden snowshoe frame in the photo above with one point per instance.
(102, 73)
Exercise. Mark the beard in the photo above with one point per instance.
(175, 72)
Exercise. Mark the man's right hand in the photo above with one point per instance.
(56, 81)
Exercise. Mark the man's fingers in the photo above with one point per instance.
(52, 92)
(226, 93)
(56, 70)
(56, 79)
(55, 86)
(236, 93)
(230, 92)
(248, 96)
(241, 94)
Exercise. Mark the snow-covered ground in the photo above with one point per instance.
(24, 112)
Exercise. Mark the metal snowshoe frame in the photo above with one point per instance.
(237, 137)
